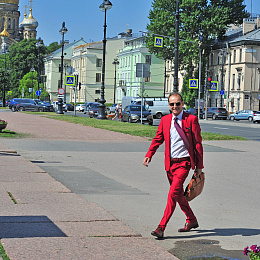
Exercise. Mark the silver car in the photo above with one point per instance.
(256, 118)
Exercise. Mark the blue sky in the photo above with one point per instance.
(84, 19)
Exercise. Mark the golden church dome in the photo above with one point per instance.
(16, 2)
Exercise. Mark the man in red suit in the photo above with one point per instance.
(183, 150)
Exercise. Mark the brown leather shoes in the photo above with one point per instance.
(189, 226)
(158, 232)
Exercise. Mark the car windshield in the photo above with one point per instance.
(136, 108)
(94, 106)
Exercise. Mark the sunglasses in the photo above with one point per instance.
(176, 104)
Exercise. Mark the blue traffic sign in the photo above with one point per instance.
(214, 86)
(70, 80)
(193, 83)
(222, 92)
(38, 92)
(158, 42)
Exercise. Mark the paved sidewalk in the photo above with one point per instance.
(51, 222)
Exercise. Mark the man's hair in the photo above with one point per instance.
(175, 94)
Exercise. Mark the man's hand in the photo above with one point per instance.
(198, 171)
(146, 161)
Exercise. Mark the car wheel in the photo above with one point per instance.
(159, 115)
(232, 118)
(129, 120)
(41, 109)
(250, 119)
(13, 109)
(21, 109)
(214, 117)
(254, 122)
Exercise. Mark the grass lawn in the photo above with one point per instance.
(132, 129)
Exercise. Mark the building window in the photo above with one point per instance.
(13, 23)
(233, 81)
(234, 57)
(148, 59)
(238, 81)
(9, 23)
(240, 55)
(3, 23)
(148, 79)
(98, 77)
(99, 62)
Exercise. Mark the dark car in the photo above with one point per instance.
(28, 105)
(13, 103)
(194, 111)
(216, 112)
(93, 109)
(70, 107)
(132, 114)
(44, 106)
(87, 104)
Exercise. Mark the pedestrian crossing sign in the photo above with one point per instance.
(158, 42)
(214, 86)
(193, 83)
(70, 80)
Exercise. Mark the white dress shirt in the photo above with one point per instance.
(177, 147)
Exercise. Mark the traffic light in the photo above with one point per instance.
(79, 85)
(208, 84)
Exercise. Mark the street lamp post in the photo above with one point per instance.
(115, 62)
(62, 31)
(32, 70)
(38, 45)
(106, 5)
(176, 64)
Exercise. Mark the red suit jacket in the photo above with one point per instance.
(191, 128)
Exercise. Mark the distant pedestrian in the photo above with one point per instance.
(146, 106)
(117, 111)
(183, 150)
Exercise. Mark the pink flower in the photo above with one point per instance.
(254, 248)
(245, 250)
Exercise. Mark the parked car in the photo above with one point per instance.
(194, 111)
(28, 105)
(132, 114)
(70, 107)
(1, 103)
(13, 103)
(44, 106)
(242, 115)
(256, 118)
(158, 106)
(112, 109)
(55, 106)
(80, 107)
(87, 104)
(216, 112)
(93, 109)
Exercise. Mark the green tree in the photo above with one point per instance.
(53, 47)
(201, 21)
(22, 57)
(28, 82)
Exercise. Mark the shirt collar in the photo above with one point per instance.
(179, 117)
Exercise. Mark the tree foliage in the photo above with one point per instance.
(53, 47)
(201, 21)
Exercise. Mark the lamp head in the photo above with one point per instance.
(106, 5)
(63, 30)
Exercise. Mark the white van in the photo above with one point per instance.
(157, 106)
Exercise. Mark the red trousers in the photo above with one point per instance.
(176, 176)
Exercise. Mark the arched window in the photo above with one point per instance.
(9, 23)
(14, 24)
(3, 23)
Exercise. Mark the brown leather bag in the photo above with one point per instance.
(195, 187)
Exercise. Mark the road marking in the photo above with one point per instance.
(221, 128)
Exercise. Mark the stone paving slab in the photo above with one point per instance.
(41, 177)
(60, 212)
(96, 248)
